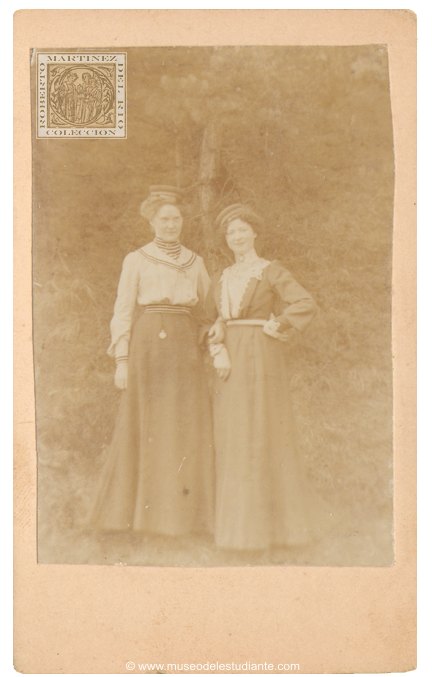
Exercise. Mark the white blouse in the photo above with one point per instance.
(235, 280)
(149, 276)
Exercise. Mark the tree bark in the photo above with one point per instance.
(178, 159)
(208, 171)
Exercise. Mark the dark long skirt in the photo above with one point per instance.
(159, 474)
(262, 496)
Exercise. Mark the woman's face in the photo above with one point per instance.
(240, 236)
(167, 223)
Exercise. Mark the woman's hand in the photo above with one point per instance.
(217, 332)
(271, 328)
(121, 375)
(222, 363)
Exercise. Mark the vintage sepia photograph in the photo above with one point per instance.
(212, 284)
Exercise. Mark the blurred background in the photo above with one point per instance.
(302, 134)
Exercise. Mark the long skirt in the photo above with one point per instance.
(159, 474)
(262, 497)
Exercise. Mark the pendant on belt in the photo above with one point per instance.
(162, 334)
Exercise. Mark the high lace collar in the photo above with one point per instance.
(250, 257)
(235, 281)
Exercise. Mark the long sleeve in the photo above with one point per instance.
(124, 307)
(204, 290)
(300, 306)
(210, 311)
(204, 282)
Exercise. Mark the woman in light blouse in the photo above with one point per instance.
(159, 476)
(262, 497)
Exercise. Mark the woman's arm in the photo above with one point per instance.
(203, 310)
(204, 282)
(214, 328)
(301, 308)
(122, 319)
(209, 316)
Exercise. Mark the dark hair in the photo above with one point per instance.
(246, 215)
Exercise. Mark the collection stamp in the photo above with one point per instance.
(81, 95)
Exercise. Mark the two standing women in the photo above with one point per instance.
(161, 473)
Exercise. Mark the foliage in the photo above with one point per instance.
(305, 137)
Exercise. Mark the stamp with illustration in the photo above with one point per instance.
(81, 95)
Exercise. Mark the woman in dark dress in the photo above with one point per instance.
(262, 497)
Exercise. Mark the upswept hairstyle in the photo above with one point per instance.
(158, 197)
(239, 211)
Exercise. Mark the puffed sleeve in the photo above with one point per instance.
(127, 293)
(300, 307)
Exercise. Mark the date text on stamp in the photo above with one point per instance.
(81, 95)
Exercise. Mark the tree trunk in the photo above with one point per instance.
(178, 160)
(208, 171)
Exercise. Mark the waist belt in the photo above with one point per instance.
(251, 323)
(166, 308)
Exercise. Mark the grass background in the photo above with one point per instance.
(306, 137)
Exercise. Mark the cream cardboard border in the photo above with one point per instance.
(93, 619)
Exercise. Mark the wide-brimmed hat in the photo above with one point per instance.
(166, 192)
(236, 211)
